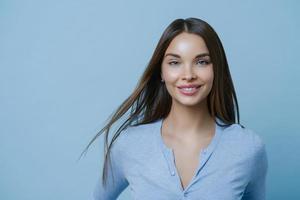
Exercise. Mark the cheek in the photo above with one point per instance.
(207, 75)
(169, 75)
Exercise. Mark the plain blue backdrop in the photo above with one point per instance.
(66, 65)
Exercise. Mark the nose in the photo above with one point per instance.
(188, 73)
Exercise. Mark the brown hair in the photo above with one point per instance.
(150, 100)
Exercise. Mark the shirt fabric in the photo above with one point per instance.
(232, 167)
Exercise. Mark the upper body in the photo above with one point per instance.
(232, 167)
(187, 155)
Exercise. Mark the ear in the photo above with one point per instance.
(161, 76)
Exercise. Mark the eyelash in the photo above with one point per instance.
(205, 62)
(173, 63)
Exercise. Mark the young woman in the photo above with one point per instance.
(181, 139)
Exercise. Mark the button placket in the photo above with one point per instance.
(185, 194)
(170, 162)
(207, 152)
(173, 167)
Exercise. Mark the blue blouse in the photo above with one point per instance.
(232, 167)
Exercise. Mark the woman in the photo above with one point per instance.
(181, 138)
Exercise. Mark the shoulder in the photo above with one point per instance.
(132, 136)
(252, 150)
(245, 135)
(246, 140)
(140, 131)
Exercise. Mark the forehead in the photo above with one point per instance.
(187, 45)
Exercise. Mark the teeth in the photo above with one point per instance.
(188, 89)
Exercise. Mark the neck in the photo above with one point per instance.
(189, 120)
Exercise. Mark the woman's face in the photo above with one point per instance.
(187, 69)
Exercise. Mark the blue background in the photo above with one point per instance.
(66, 65)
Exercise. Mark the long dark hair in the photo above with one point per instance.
(150, 100)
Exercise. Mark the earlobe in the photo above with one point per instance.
(161, 77)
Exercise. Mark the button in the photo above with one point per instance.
(185, 194)
(172, 173)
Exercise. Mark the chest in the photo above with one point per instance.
(187, 156)
(222, 177)
(186, 162)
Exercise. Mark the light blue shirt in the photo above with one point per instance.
(232, 167)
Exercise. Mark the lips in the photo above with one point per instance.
(189, 90)
(189, 86)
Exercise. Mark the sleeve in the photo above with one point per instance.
(256, 188)
(116, 181)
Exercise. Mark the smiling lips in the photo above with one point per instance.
(189, 90)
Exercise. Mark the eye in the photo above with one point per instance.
(173, 63)
(203, 62)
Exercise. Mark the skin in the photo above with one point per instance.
(189, 127)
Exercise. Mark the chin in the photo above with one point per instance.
(189, 102)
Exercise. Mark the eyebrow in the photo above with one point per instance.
(197, 56)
